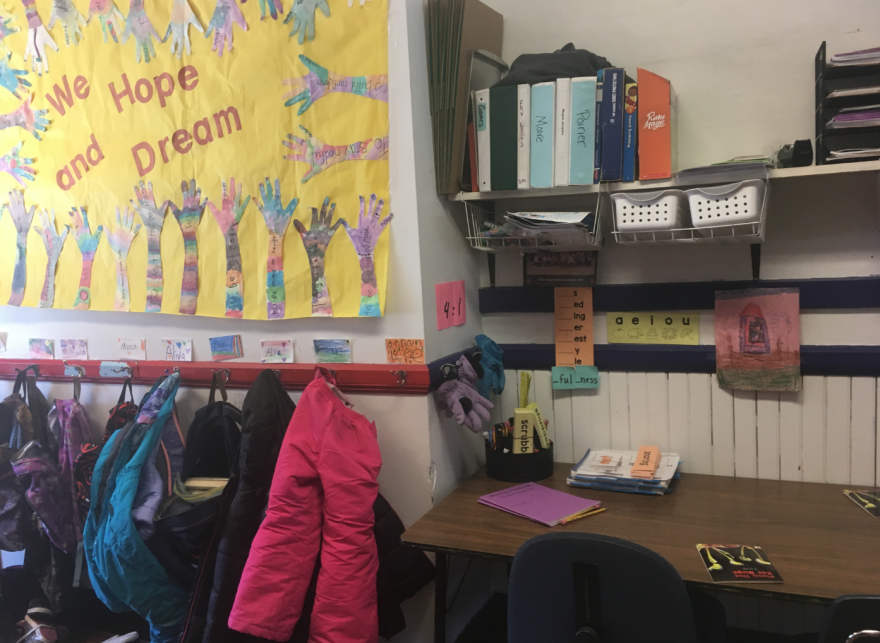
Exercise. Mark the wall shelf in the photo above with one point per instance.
(780, 174)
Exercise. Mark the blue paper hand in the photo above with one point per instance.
(303, 15)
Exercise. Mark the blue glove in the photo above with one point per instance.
(493, 367)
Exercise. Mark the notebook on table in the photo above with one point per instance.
(539, 503)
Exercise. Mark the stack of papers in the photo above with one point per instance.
(857, 91)
(866, 117)
(594, 472)
(555, 223)
(537, 502)
(853, 58)
(854, 153)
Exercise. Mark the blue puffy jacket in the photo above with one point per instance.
(124, 573)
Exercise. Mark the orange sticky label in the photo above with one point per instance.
(574, 326)
(647, 461)
(405, 351)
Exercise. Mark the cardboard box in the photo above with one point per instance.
(656, 138)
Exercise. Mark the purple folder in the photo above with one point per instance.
(538, 503)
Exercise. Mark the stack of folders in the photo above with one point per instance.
(854, 117)
(573, 131)
(611, 471)
(541, 504)
(856, 58)
(551, 223)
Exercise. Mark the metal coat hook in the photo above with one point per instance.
(226, 374)
(81, 371)
(401, 377)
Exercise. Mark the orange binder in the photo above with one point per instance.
(656, 137)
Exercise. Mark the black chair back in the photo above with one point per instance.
(578, 587)
(852, 618)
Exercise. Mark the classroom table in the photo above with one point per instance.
(820, 541)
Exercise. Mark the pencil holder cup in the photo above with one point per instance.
(510, 467)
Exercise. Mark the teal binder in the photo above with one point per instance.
(583, 130)
(543, 134)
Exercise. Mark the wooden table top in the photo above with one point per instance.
(821, 542)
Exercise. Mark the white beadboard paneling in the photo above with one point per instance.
(601, 410)
(638, 409)
(863, 427)
(790, 418)
(619, 398)
(562, 412)
(813, 429)
(583, 421)
(699, 422)
(722, 430)
(768, 435)
(837, 429)
(658, 411)
(679, 421)
(510, 394)
(745, 434)
(544, 397)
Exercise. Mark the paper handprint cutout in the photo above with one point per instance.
(6, 29)
(26, 118)
(182, 17)
(38, 39)
(188, 218)
(316, 239)
(320, 156)
(53, 242)
(120, 242)
(153, 218)
(13, 79)
(138, 25)
(303, 15)
(109, 16)
(228, 216)
(64, 12)
(21, 218)
(88, 245)
(15, 166)
(277, 218)
(225, 14)
(364, 239)
(319, 82)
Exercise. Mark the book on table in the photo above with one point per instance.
(539, 503)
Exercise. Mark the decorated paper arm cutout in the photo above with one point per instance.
(351, 3)
(319, 82)
(316, 239)
(182, 17)
(321, 156)
(109, 16)
(225, 13)
(88, 245)
(38, 39)
(120, 242)
(138, 25)
(22, 219)
(277, 218)
(13, 79)
(53, 242)
(64, 12)
(228, 217)
(188, 218)
(6, 29)
(153, 218)
(303, 15)
(364, 238)
(15, 166)
(274, 7)
(26, 118)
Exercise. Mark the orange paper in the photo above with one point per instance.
(574, 326)
(405, 351)
(647, 461)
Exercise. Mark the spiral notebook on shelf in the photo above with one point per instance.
(539, 503)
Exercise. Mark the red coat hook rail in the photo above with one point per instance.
(390, 379)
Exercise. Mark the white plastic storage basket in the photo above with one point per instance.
(726, 204)
(649, 211)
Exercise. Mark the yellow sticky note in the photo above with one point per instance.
(654, 328)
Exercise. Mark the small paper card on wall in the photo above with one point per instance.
(574, 377)
(226, 347)
(3, 338)
(405, 351)
(41, 348)
(654, 328)
(451, 304)
(131, 348)
(573, 309)
(276, 351)
(178, 350)
(74, 349)
(332, 351)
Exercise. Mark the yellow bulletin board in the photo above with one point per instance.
(115, 121)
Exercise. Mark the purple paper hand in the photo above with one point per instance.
(225, 13)
(320, 156)
(364, 238)
(109, 16)
(316, 239)
(228, 217)
(138, 25)
(188, 218)
(319, 82)
(17, 167)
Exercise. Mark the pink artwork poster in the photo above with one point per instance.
(451, 304)
(758, 339)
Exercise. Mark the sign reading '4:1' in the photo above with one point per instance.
(451, 304)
